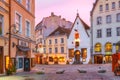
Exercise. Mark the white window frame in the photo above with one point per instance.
(27, 35)
(108, 32)
(28, 4)
(56, 49)
(113, 5)
(101, 8)
(118, 17)
(20, 1)
(2, 20)
(17, 58)
(62, 50)
(108, 19)
(107, 7)
(99, 20)
(20, 29)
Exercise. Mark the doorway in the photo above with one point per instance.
(1, 60)
(26, 64)
(56, 60)
(98, 59)
(77, 56)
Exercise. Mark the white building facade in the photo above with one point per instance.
(105, 30)
(79, 42)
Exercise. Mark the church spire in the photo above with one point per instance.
(77, 13)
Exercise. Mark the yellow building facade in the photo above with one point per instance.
(55, 47)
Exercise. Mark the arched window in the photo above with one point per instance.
(98, 47)
(108, 47)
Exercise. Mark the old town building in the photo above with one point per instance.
(78, 42)
(4, 26)
(61, 46)
(45, 28)
(105, 30)
(22, 41)
(55, 48)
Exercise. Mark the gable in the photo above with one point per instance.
(78, 21)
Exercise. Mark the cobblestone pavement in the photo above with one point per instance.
(70, 73)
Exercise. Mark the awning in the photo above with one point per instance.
(21, 48)
(118, 43)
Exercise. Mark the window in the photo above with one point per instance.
(99, 33)
(40, 40)
(20, 62)
(77, 44)
(28, 5)
(113, 5)
(28, 29)
(18, 22)
(51, 59)
(62, 40)
(1, 24)
(101, 8)
(44, 50)
(55, 41)
(107, 7)
(50, 50)
(44, 42)
(108, 47)
(56, 50)
(20, 1)
(119, 4)
(98, 47)
(99, 20)
(50, 42)
(108, 19)
(108, 32)
(71, 53)
(118, 17)
(84, 53)
(118, 31)
(62, 49)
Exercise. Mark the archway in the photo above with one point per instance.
(77, 57)
(56, 60)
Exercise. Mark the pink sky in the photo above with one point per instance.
(66, 8)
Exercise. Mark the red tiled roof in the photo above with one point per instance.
(61, 30)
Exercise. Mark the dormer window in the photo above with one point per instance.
(57, 33)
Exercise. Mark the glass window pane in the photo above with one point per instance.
(20, 60)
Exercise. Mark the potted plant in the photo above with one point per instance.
(8, 72)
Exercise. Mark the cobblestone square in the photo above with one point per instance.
(71, 73)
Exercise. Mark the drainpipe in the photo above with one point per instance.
(92, 56)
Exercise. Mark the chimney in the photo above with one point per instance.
(52, 13)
